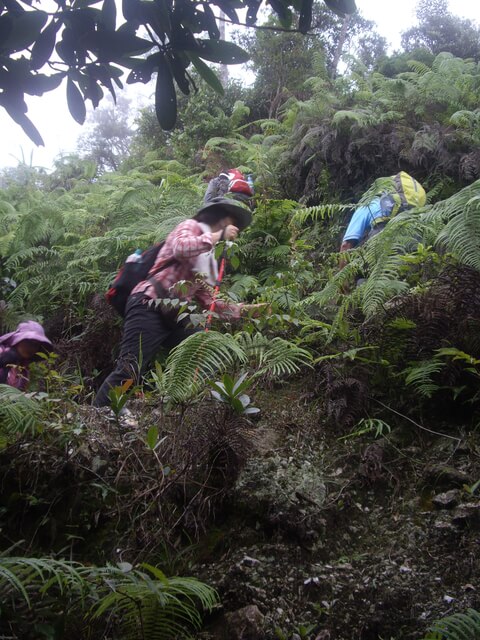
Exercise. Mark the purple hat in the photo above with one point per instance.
(29, 330)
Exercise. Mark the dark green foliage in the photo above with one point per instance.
(201, 117)
(420, 121)
(68, 599)
(282, 62)
(459, 626)
(439, 30)
(83, 44)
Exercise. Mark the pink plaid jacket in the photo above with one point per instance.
(184, 244)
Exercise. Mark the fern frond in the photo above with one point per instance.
(276, 357)
(461, 235)
(419, 67)
(459, 626)
(283, 358)
(242, 285)
(30, 253)
(420, 376)
(142, 601)
(19, 413)
(197, 359)
(322, 212)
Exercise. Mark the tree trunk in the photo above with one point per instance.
(223, 67)
(339, 47)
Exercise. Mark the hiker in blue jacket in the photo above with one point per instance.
(362, 224)
(370, 219)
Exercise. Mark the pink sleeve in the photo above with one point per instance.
(190, 241)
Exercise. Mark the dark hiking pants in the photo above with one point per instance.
(146, 329)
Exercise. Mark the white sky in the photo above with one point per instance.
(60, 132)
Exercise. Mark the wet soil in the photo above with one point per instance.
(390, 544)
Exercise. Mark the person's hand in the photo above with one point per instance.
(230, 232)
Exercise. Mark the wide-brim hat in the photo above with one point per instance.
(29, 330)
(228, 206)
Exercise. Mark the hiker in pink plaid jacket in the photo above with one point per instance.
(190, 273)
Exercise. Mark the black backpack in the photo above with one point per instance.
(130, 275)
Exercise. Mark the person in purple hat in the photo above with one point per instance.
(18, 350)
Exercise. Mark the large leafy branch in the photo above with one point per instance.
(80, 41)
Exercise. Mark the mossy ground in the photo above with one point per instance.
(350, 538)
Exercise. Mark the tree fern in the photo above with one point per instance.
(142, 602)
(459, 626)
(151, 606)
(19, 413)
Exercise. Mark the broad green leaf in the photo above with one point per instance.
(252, 13)
(219, 51)
(341, 7)
(109, 14)
(132, 9)
(228, 384)
(236, 405)
(283, 12)
(179, 73)
(76, 104)
(152, 436)
(305, 19)
(161, 23)
(39, 84)
(43, 47)
(6, 25)
(65, 49)
(229, 11)
(206, 73)
(213, 30)
(26, 28)
(17, 113)
(165, 97)
(117, 44)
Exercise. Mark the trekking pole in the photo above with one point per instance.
(218, 282)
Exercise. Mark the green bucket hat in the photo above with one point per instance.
(225, 206)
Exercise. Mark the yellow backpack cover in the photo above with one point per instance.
(409, 192)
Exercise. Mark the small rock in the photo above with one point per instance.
(244, 624)
(444, 476)
(249, 562)
(405, 569)
(466, 515)
(448, 599)
(447, 500)
(311, 581)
